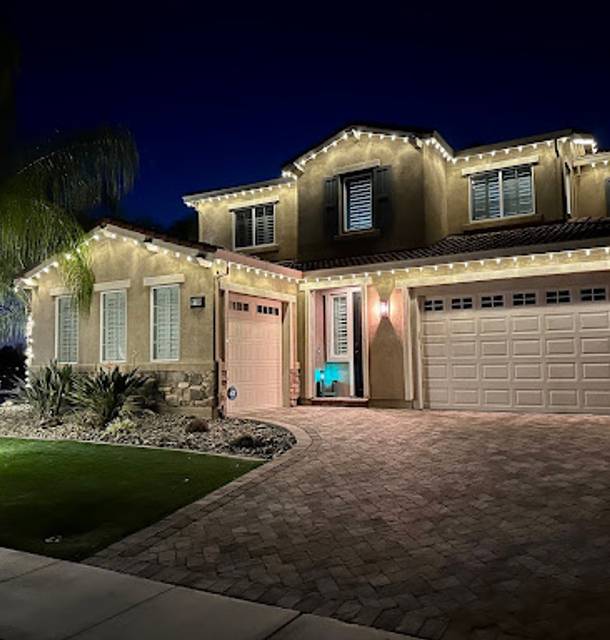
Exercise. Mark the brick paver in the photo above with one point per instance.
(438, 524)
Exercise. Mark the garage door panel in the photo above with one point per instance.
(563, 398)
(559, 322)
(464, 397)
(464, 371)
(560, 346)
(528, 372)
(494, 348)
(562, 371)
(525, 324)
(462, 326)
(498, 398)
(254, 352)
(538, 357)
(495, 371)
(599, 345)
(435, 328)
(594, 320)
(529, 399)
(593, 371)
(527, 347)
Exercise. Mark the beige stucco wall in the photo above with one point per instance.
(114, 260)
(590, 191)
(216, 220)
(406, 227)
(549, 202)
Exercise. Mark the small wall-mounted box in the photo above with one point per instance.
(197, 302)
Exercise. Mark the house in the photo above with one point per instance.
(382, 268)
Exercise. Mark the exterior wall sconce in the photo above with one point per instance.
(384, 308)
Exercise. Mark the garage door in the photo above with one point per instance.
(254, 352)
(522, 349)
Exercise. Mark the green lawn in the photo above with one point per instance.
(92, 495)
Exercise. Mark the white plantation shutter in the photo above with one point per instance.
(114, 326)
(264, 224)
(517, 190)
(166, 323)
(340, 327)
(67, 330)
(485, 195)
(359, 202)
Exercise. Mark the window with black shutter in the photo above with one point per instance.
(254, 226)
(358, 202)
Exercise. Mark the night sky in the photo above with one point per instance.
(218, 98)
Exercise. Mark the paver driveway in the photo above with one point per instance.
(438, 524)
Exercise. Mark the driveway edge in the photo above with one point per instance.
(183, 517)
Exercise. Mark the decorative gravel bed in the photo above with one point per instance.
(240, 437)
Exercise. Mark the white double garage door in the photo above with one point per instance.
(522, 345)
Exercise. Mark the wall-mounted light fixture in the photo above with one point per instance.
(384, 308)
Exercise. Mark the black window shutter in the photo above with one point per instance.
(331, 205)
(381, 197)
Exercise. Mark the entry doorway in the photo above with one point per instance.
(338, 365)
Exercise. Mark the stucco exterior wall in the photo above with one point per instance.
(190, 380)
(216, 220)
(591, 190)
(548, 194)
(406, 225)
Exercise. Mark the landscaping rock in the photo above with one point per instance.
(197, 425)
(240, 437)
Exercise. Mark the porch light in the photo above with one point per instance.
(384, 308)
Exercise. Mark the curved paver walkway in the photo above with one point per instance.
(438, 524)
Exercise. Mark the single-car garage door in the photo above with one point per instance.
(254, 352)
(542, 347)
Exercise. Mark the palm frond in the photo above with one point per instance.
(77, 275)
(82, 171)
(13, 315)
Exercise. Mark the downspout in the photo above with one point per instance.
(219, 363)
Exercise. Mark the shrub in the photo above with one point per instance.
(108, 395)
(246, 441)
(120, 425)
(197, 425)
(49, 392)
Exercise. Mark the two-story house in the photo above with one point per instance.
(383, 267)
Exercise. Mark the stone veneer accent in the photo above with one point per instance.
(187, 388)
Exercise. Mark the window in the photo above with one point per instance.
(461, 303)
(66, 330)
(502, 193)
(254, 226)
(266, 310)
(595, 294)
(114, 326)
(358, 199)
(240, 306)
(524, 299)
(165, 320)
(338, 313)
(561, 296)
(490, 302)
(433, 305)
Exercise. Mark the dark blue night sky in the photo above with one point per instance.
(215, 98)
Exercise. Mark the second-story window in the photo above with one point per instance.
(358, 202)
(502, 193)
(254, 226)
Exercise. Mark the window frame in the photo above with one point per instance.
(331, 355)
(344, 178)
(152, 322)
(252, 209)
(57, 330)
(102, 297)
(502, 216)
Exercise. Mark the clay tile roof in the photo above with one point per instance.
(571, 233)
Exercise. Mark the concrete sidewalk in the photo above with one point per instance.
(46, 599)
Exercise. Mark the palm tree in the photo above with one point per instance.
(45, 190)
